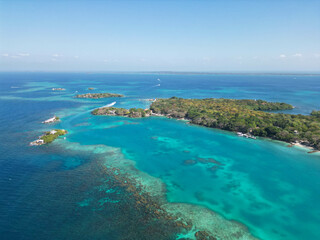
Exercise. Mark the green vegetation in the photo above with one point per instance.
(50, 136)
(258, 105)
(247, 116)
(99, 95)
(132, 112)
(315, 114)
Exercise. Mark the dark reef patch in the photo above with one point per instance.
(189, 162)
(89, 202)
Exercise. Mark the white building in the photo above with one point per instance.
(53, 131)
(37, 142)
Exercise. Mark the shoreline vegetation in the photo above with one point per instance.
(244, 115)
(98, 95)
(48, 137)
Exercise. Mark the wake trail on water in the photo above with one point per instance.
(68, 124)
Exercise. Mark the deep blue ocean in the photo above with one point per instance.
(260, 189)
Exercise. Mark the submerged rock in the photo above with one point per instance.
(189, 162)
(209, 160)
(202, 235)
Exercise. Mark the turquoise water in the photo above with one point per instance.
(263, 184)
(230, 183)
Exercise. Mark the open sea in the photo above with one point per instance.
(79, 187)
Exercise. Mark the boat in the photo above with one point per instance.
(246, 135)
(58, 89)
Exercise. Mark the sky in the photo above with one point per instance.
(214, 36)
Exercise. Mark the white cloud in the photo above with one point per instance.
(297, 55)
(15, 55)
(23, 54)
(316, 55)
(76, 57)
(282, 56)
(56, 55)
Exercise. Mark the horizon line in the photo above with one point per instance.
(310, 73)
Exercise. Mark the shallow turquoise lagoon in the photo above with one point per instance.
(261, 183)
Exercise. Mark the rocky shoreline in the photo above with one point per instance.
(303, 145)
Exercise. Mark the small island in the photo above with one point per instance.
(99, 95)
(245, 116)
(48, 137)
(90, 88)
(132, 112)
(52, 120)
